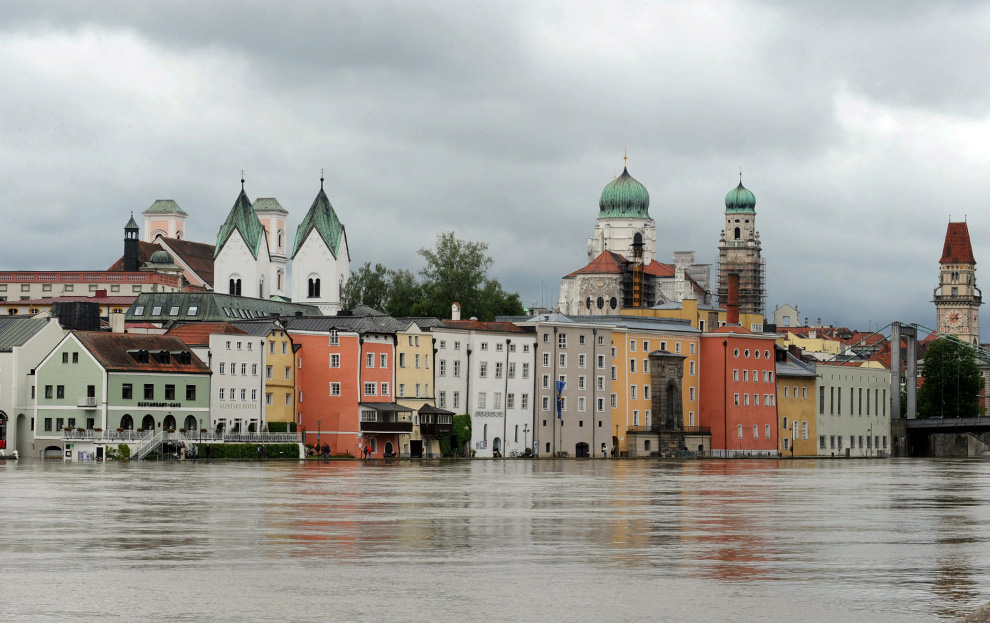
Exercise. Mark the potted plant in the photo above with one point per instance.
(203, 430)
(120, 430)
(140, 430)
(182, 430)
(80, 430)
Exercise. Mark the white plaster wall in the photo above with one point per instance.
(315, 259)
(236, 260)
(251, 353)
(832, 423)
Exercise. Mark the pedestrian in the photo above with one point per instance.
(604, 451)
(259, 451)
(326, 451)
(613, 452)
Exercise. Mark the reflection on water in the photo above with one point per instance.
(900, 540)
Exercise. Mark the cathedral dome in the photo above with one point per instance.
(624, 197)
(740, 199)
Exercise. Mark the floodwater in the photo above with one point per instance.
(815, 540)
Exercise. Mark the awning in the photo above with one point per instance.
(384, 406)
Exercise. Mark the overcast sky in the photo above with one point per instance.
(861, 127)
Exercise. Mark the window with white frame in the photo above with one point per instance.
(370, 389)
(524, 401)
(335, 361)
(371, 360)
(442, 399)
(334, 389)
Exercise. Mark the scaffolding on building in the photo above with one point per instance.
(752, 288)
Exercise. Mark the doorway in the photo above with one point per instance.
(581, 451)
(23, 432)
(416, 448)
(148, 423)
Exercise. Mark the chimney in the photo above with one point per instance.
(732, 304)
(455, 311)
(116, 322)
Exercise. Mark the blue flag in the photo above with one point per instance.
(559, 387)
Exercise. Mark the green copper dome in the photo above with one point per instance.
(624, 197)
(161, 257)
(740, 199)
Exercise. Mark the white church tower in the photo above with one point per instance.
(272, 216)
(242, 262)
(320, 259)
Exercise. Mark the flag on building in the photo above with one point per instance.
(559, 395)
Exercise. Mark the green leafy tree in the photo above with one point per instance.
(952, 381)
(457, 271)
(367, 286)
(405, 294)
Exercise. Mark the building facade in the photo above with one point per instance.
(957, 298)
(853, 410)
(23, 343)
(798, 432)
(739, 251)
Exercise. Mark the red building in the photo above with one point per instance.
(345, 383)
(738, 391)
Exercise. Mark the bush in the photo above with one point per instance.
(247, 451)
(281, 427)
(120, 453)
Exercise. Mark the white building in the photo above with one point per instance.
(24, 342)
(242, 257)
(320, 258)
(485, 369)
(853, 410)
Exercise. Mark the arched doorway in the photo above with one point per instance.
(190, 423)
(23, 432)
(496, 445)
(148, 422)
(127, 422)
(51, 453)
(169, 422)
(388, 449)
(581, 450)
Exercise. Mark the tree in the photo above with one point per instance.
(457, 271)
(367, 286)
(952, 381)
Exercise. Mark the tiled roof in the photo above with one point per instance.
(261, 327)
(102, 300)
(198, 256)
(113, 351)
(17, 331)
(646, 323)
(608, 263)
(321, 217)
(341, 323)
(145, 249)
(732, 329)
(957, 248)
(198, 333)
(477, 325)
(209, 306)
(243, 220)
(164, 206)
(659, 269)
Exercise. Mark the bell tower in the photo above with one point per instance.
(957, 299)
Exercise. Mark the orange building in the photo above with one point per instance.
(738, 391)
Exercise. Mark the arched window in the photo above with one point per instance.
(278, 279)
(737, 233)
(261, 288)
(588, 303)
(190, 424)
(638, 239)
(601, 303)
(118, 310)
(484, 434)
(12, 311)
(235, 286)
(281, 239)
(148, 422)
(169, 422)
(314, 287)
(127, 422)
(33, 310)
(178, 235)
(613, 303)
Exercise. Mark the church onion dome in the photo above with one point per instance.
(624, 197)
(740, 199)
(161, 261)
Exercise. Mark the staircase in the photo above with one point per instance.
(150, 445)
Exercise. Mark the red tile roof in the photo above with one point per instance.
(196, 255)
(113, 351)
(659, 269)
(477, 325)
(608, 263)
(198, 333)
(145, 249)
(957, 249)
(732, 329)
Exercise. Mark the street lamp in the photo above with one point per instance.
(525, 436)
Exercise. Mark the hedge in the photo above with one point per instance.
(281, 427)
(247, 451)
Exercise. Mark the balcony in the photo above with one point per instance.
(394, 426)
(435, 430)
(87, 402)
(385, 417)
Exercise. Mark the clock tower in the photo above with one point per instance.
(957, 299)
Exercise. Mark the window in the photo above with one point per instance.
(499, 347)
(385, 389)
(482, 396)
(457, 345)
(371, 360)
(745, 376)
(510, 401)
(484, 346)
(190, 392)
(525, 370)
(498, 401)
(691, 346)
(581, 403)
(402, 390)
(271, 345)
(457, 368)
(334, 389)
(239, 344)
(821, 442)
(288, 400)
(498, 370)
(483, 369)
(221, 393)
(546, 360)
(512, 370)
(739, 430)
(561, 360)
(65, 357)
(691, 394)
(804, 430)
(383, 360)
(614, 401)
(601, 404)
(285, 348)
(632, 392)
(561, 340)
(268, 372)
(370, 389)
(442, 344)
(419, 388)
(334, 360)
(48, 424)
(233, 368)
(735, 399)
(457, 400)
(524, 401)
(442, 399)
(149, 391)
(804, 392)
(632, 365)
(254, 369)
(582, 363)
(126, 391)
(243, 394)
(243, 369)
(170, 392)
(646, 366)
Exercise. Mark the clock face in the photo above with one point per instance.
(954, 318)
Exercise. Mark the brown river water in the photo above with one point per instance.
(814, 540)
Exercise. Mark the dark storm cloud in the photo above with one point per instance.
(859, 126)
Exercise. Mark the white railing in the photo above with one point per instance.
(87, 401)
(148, 446)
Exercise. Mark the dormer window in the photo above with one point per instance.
(164, 357)
(140, 356)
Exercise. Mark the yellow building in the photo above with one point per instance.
(703, 318)
(280, 377)
(414, 384)
(814, 343)
(796, 415)
(631, 399)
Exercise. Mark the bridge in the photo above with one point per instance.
(914, 437)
